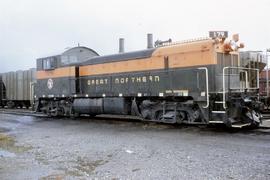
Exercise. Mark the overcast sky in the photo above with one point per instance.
(30, 29)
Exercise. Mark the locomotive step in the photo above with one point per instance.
(219, 112)
(216, 122)
(219, 102)
(240, 125)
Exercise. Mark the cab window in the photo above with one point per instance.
(49, 63)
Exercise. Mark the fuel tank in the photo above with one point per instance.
(101, 106)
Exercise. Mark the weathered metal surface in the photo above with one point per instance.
(18, 84)
(56, 87)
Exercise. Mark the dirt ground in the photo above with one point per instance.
(46, 148)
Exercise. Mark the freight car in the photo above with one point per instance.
(1, 91)
(253, 59)
(195, 82)
(17, 88)
(263, 90)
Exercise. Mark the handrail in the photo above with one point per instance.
(185, 41)
(223, 79)
(207, 88)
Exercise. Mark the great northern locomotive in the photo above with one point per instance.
(194, 82)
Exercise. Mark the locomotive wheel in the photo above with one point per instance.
(181, 116)
(159, 116)
(254, 125)
(254, 117)
(54, 113)
(92, 115)
(75, 115)
(48, 112)
(10, 105)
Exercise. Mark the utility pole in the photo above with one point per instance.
(267, 80)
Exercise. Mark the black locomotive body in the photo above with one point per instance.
(195, 82)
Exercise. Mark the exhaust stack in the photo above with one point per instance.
(121, 45)
(149, 41)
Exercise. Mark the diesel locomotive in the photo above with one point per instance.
(200, 81)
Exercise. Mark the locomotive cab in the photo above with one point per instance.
(57, 80)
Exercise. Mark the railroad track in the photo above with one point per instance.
(26, 112)
(22, 112)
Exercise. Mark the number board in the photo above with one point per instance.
(218, 34)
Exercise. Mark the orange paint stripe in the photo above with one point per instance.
(57, 73)
(124, 66)
(186, 59)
